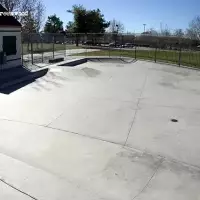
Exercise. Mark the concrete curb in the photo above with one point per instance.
(75, 62)
(128, 58)
(32, 76)
(81, 60)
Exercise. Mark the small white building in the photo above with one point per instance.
(10, 41)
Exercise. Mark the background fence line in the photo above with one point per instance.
(37, 49)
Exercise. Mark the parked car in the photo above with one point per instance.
(128, 45)
(88, 42)
(113, 44)
(59, 42)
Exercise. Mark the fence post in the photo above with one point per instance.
(53, 44)
(115, 39)
(120, 43)
(64, 45)
(31, 52)
(22, 49)
(42, 51)
(179, 56)
(155, 54)
(135, 53)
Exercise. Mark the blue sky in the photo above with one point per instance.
(133, 14)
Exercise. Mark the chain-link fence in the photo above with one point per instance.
(39, 48)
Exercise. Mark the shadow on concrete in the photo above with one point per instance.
(16, 78)
(51, 79)
(13, 88)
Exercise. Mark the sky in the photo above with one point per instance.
(133, 13)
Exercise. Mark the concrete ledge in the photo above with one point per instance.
(55, 60)
(75, 62)
(81, 60)
(31, 76)
(129, 60)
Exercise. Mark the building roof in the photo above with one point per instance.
(9, 21)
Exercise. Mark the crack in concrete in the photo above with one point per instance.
(111, 142)
(18, 121)
(47, 125)
(169, 106)
(148, 182)
(18, 190)
(137, 108)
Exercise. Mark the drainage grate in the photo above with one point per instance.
(174, 120)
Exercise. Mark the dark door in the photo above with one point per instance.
(9, 45)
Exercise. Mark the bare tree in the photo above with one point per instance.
(191, 34)
(116, 26)
(165, 32)
(35, 8)
(153, 32)
(179, 33)
(193, 31)
(11, 5)
(17, 5)
(39, 16)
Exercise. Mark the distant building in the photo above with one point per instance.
(10, 41)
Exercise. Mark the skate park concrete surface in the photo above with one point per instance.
(102, 130)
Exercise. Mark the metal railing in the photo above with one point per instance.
(37, 49)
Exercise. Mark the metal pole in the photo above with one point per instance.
(42, 51)
(135, 53)
(64, 45)
(155, 54)
(53, 45)
(116, 35)
(155, 58)
(22, 51)
(31, 52)
(144, 27)
(121, 52)
(179, 57)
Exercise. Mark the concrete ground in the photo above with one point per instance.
(102, 131)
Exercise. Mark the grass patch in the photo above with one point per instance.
(47, 47)
(187, 58)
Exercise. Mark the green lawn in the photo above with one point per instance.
(187, 58)
(47, 47)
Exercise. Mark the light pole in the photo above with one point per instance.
(144, 27)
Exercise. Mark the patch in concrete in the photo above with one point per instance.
(173, 181)
(175, 70)
(91, 72)
(154, 132)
